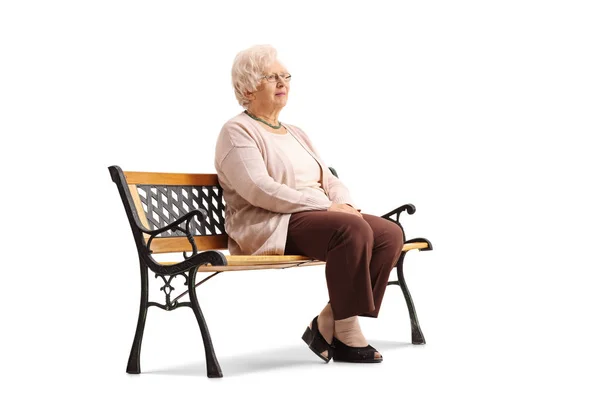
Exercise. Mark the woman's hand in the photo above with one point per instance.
(344, 208)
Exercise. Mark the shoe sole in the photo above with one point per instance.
(374, 361)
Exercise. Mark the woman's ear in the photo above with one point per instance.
(249, 95)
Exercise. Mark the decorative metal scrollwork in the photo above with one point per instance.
(168, 289)
(164, 205)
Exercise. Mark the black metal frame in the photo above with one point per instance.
(394, 216)
(188, 268)
(184, 226)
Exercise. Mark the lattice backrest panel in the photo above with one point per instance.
(163, 204)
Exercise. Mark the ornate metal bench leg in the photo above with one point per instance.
(133, 365)
(417, 335)
(212, 365)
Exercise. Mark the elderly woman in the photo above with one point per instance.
(282, 199)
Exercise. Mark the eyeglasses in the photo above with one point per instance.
(273, 77)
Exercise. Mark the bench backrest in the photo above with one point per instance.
(152, 200)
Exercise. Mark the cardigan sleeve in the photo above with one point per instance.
(244, 167)
(338, 192)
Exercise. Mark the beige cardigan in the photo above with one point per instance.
(259, 186)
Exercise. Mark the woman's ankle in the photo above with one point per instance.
(348, 331)
(325, 321)
(327, 312)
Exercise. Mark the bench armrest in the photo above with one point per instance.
(394, 216)
(192, 261)
(212, 257)
(174, 226)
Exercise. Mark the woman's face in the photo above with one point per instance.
(272, 95)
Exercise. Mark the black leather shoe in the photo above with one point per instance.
(354, 354)
(316, 342)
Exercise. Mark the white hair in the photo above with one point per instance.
(248, 67)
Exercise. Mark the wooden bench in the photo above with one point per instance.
(173, 213)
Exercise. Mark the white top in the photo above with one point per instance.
(306, 169)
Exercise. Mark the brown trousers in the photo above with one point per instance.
(359, 253)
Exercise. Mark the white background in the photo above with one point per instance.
(480, 113)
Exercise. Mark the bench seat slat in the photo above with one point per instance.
(245, 263)
(223, 268)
